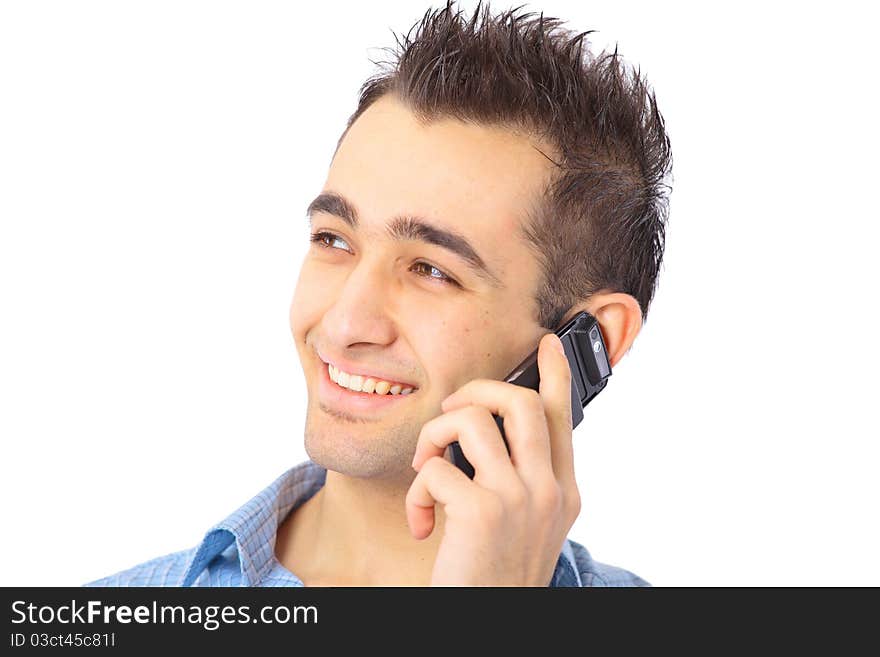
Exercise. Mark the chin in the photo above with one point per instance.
(362, 451)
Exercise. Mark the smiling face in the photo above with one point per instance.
(417, 273)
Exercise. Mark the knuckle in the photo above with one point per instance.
(491, 508)
(483, 422)
(573, 504)
(475, 413)
(531, 399)
(432, 466)
(518, 497)
(549, 499)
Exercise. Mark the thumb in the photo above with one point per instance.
(555, 392)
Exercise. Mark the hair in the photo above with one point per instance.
(600, 223)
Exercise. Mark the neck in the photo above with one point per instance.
(353, 532)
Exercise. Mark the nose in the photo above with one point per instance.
(361, 311)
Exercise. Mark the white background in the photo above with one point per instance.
(156, 159)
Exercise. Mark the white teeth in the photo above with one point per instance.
(359, 383)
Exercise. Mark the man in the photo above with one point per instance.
(495, 182)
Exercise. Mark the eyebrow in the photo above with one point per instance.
(408, 227)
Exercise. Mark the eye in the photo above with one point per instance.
(443, 278)
(322, 237)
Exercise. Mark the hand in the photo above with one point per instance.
(507, 526)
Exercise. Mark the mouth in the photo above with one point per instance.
(354, 392)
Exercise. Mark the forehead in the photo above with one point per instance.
(478, 180)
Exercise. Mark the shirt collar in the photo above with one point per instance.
(252, 528)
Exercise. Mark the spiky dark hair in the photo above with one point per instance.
(601, 222)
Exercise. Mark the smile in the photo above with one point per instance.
(360, 393)
(360, 383)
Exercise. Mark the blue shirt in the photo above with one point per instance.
(240, 550)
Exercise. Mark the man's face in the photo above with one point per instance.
(373, 304)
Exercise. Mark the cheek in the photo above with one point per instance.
(487, 346)
(307, 304)
(459, 350)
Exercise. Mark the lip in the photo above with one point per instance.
(352, 369)
(342, 399)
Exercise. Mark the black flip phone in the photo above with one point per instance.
(590, 369)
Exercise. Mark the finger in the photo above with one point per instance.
(554, 389)
(524, 423)
(475, 430)
(438, 481)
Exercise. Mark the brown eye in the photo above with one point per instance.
(325, 240)
(443, 278)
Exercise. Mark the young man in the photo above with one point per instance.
(497, 180)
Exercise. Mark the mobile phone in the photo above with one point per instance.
(590, 368)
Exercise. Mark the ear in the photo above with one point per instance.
(620, 320)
